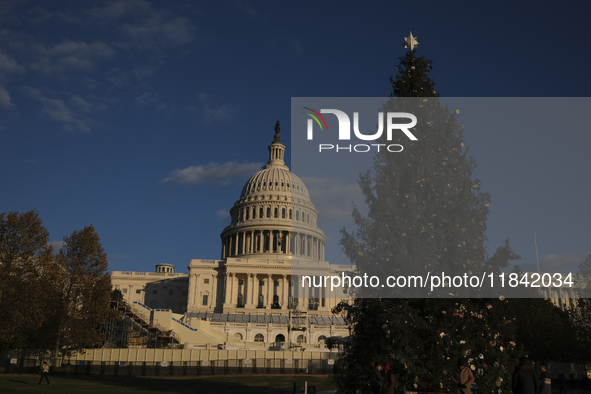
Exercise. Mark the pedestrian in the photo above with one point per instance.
(389, 382)
(463, 377)
(376, 379)
(545, 381)
(44, 373)
(524, 379)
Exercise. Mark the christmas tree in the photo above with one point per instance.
(426, 215)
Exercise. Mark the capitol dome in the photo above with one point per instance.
(274, 214)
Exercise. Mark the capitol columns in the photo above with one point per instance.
(269, 284)
(249, 290)
(229, 284)
(214, 290)
(284, 296)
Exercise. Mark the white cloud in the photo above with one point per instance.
(57, 111)
(69, 55)
(150, 99)
(214, 174)
(145, 26)
(9, 65)
(222, 214)
(212, 110)
(57, 245)
(5, 97)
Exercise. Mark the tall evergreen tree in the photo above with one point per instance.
(426, 215)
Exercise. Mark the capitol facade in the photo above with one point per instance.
(255, 292)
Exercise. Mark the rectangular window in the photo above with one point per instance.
(124, 291)
(170, 292)
(261, 282)
(276, 283)
(206, 281)
(205, 300)
(240, 282)
(138, 291)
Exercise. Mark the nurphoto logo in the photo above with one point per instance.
(345, 130)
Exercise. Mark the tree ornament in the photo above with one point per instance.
(410, 42)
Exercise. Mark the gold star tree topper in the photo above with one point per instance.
(410, 42)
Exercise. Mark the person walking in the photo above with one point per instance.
(376, 379)
(44, 373)
(463, 377)
(524, 379)
(545, 381)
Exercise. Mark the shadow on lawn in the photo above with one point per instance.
(18, 381)
(243, 384)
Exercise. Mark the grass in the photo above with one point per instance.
(219, 384)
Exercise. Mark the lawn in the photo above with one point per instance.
(220, 384)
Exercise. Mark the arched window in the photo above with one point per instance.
(283, 213)
(237, 336)
(290, 213)
(275, 213)
(301, 339)
(268, 212)
(248, 214)
(280, 338)
(259, 338)
(322, 339)
(261, 212)
(254, 213)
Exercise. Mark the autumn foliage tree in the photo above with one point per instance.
(27, 278)
(83, 304)
(50, 301)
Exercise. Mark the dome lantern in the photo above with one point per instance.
(276, 149)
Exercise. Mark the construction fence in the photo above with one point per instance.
(171, 362)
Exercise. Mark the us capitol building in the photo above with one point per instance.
(254, 291)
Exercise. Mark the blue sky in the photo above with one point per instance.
(146, 118)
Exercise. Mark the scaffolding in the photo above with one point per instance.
(128, 327)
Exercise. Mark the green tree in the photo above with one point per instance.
(27, 278)
(85, 290)
(581, 313)
(546, 331)
(426, 215)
